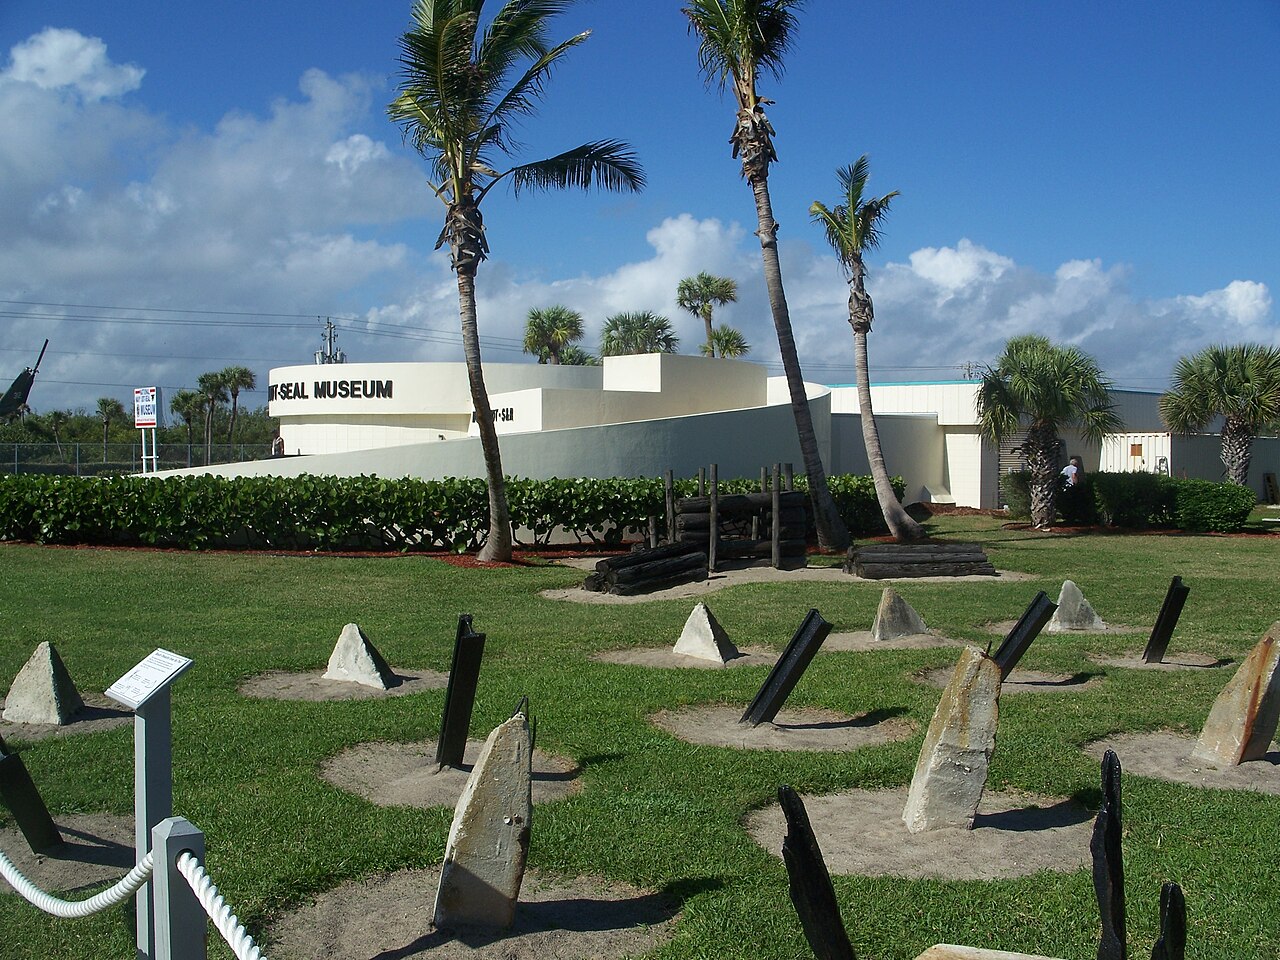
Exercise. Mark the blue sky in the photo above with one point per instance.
(1101, 173)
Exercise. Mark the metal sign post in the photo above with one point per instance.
(146, 416)
(145, 690)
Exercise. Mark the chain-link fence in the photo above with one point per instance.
(92, 459)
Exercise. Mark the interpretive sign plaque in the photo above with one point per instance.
(153, 673)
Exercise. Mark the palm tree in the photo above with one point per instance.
(737, 39)
(727, 342)
(548, 331)
(236, 379)
(643, 332)
(575, 356)
(213, 389)
(1043, 388)
(109, 408)
(1240, 383)
(853, 226)
(57, 419)
(457, 105)
(700, 294)
(188, 406)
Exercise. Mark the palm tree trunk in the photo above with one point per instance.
(1237, 449)
(105, 425)
(706, 320)
(832, 533)
(497, 547)
(208, 433)
(903, 528)
(1041, 450)
(231, 428)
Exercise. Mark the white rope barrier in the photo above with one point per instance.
(228, 925)
(76, 909)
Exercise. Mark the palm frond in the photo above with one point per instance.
(607, 164)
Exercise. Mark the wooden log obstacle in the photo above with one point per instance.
(877, 561)
(643, 571)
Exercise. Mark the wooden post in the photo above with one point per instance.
(713, 534)
(702, 481)
(653, 531)
(789, 477)
(669, 489)
(776, 534)
(786, 672)
(764, 479)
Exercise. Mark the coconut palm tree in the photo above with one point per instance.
(463, 87)
(236, 379)
(853, 226)
(737, 39)
(1041, 387)
(700, 295)
(188, 406)
(726, 341)
(548, 331)
(213, 389)
(56, 419)
(1241, 384)
(109, 408)
(641, 332)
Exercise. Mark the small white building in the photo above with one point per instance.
(644, 415)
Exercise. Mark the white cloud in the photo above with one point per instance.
(356, 151)
(56, 59)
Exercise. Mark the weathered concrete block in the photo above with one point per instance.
(356, 660)
(704, 638)
(1243, 720)
(1074, 612)
(485, 856)
(952, 770)
(42, 692)
(896, 618)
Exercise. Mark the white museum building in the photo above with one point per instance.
(643, 415)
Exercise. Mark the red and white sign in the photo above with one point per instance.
(144, 407)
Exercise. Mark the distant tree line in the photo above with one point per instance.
(213, 409)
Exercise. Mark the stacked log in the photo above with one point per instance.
(644, 571)
(693, 523)
(878, 561)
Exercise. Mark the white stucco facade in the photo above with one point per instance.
(643, 415)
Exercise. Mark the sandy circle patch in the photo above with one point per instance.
(556, 919)
(1021, 681)
(734, 575)
(311, 685)
(861, 832)
(98, 714)
(861, 641)
(805, 728)
(405, 774)
(95, 848)
(667, 659)
(1003, 627)
(1167, 756)
(1176, 661)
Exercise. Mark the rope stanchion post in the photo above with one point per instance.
(181, 927)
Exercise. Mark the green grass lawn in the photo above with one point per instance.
(654, 811)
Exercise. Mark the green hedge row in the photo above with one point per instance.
(343, 513)
(1140, 501)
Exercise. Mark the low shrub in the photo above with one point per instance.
(1015, 493)
(346, 513)
(1134, 500)
(1202, 506)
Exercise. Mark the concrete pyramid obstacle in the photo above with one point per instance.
(704, 638)
(896, 618)
(355, 660)
(951, 773)
(1244, 717)
(1074, 612)
(488, 843)
(42, 692)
